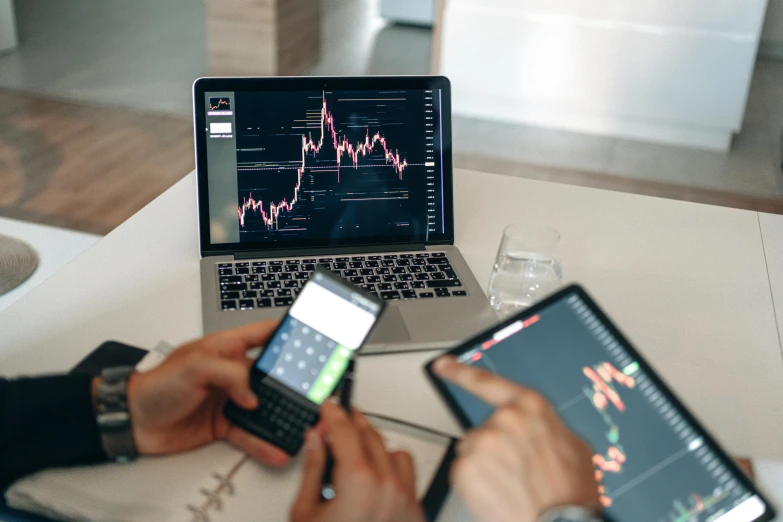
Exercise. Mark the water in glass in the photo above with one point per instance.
(521, 278)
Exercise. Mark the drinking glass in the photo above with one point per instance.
(526, 267)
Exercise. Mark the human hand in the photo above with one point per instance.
(179, 405)
(370, 483)
(523, 460)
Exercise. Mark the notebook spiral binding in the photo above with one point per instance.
(214, 498)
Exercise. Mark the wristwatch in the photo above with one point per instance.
(570, 514)
(111, 412)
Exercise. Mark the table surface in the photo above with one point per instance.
(687, 283)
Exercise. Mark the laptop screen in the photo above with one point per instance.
(326, 167)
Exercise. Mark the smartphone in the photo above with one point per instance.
(305, 359)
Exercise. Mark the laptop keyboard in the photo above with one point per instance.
(245, 285)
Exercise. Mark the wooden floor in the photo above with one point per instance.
(90, 168)
(86, 167)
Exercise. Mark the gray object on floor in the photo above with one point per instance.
(18, 261)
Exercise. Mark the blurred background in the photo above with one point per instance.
(667, 98)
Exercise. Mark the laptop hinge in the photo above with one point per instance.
(326, 251)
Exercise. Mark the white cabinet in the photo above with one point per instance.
(658, 70)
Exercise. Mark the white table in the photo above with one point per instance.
(688, 283)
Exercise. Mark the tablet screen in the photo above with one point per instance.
(652, 461)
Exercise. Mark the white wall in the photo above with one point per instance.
(8, 39)
(772, 36)
(668, 71)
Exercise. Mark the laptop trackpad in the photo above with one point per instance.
(391, 328)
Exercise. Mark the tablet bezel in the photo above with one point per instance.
(662, 386)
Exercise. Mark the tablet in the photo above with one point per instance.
(655, 461)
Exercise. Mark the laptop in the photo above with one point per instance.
(352, 174)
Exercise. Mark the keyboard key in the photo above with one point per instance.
(357, 280)
(368, 287)
(325, 260)
(422, 277)
(425, 254)
(388, 296)
(291, 268)
(405, 277)
(276, 263)
(418, 262)
(229, 295)
(341, 260)
(284, 277)
(400, 286)
(231, 279)
(372, 264)
(291, 284)
(357, 258)
(459, 292)
(266, 293)
(224, 265)
(259, 270)
(442, 292)
(350, 273)
(414, 269)
(398, 270)
(259, 263)
(242, 265)
(264, 302)
(356, 264)
(249, 294)
(228, 305)
(450, 273)
(438, 261)
(389, 278)
(256, 286)
(426, 295)
(390, 256)
(438, 275)
(225, 271)
(387, 262)
(382, 271)
(302, 276)
(275, 269)
(244, 270)
(296, 291)
(340, 266)
(308, 267)
(439, 254)
(374, 258)
(274, 284)
(251, 278)
(383, 287)
(373, 279)
(283, 301)
(292, 262)
(431, 268)
(246, 304)
(403, 262)
(366, 271)
(283, 292)
(444, 283)
(233, 287)
(406, 256)
(408, 294)
(418, 284)
(308, 261)
(268, 277)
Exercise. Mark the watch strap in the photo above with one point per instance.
(113, 415)
(570, 514)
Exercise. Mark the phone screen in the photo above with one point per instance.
(327, 323)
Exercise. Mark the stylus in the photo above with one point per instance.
(327, 488)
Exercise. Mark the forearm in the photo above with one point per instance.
(46, 422)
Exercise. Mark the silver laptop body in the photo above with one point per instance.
(350, 173)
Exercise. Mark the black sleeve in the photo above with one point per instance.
(46, 422)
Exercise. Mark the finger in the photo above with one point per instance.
(373, 445)
(310, 488)
(343, 437)
(235, 342)
(487, 386)
(257, 448)
(402, 463)
(230, 377)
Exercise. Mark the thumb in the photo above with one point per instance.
(310, 490)
(229, 376)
